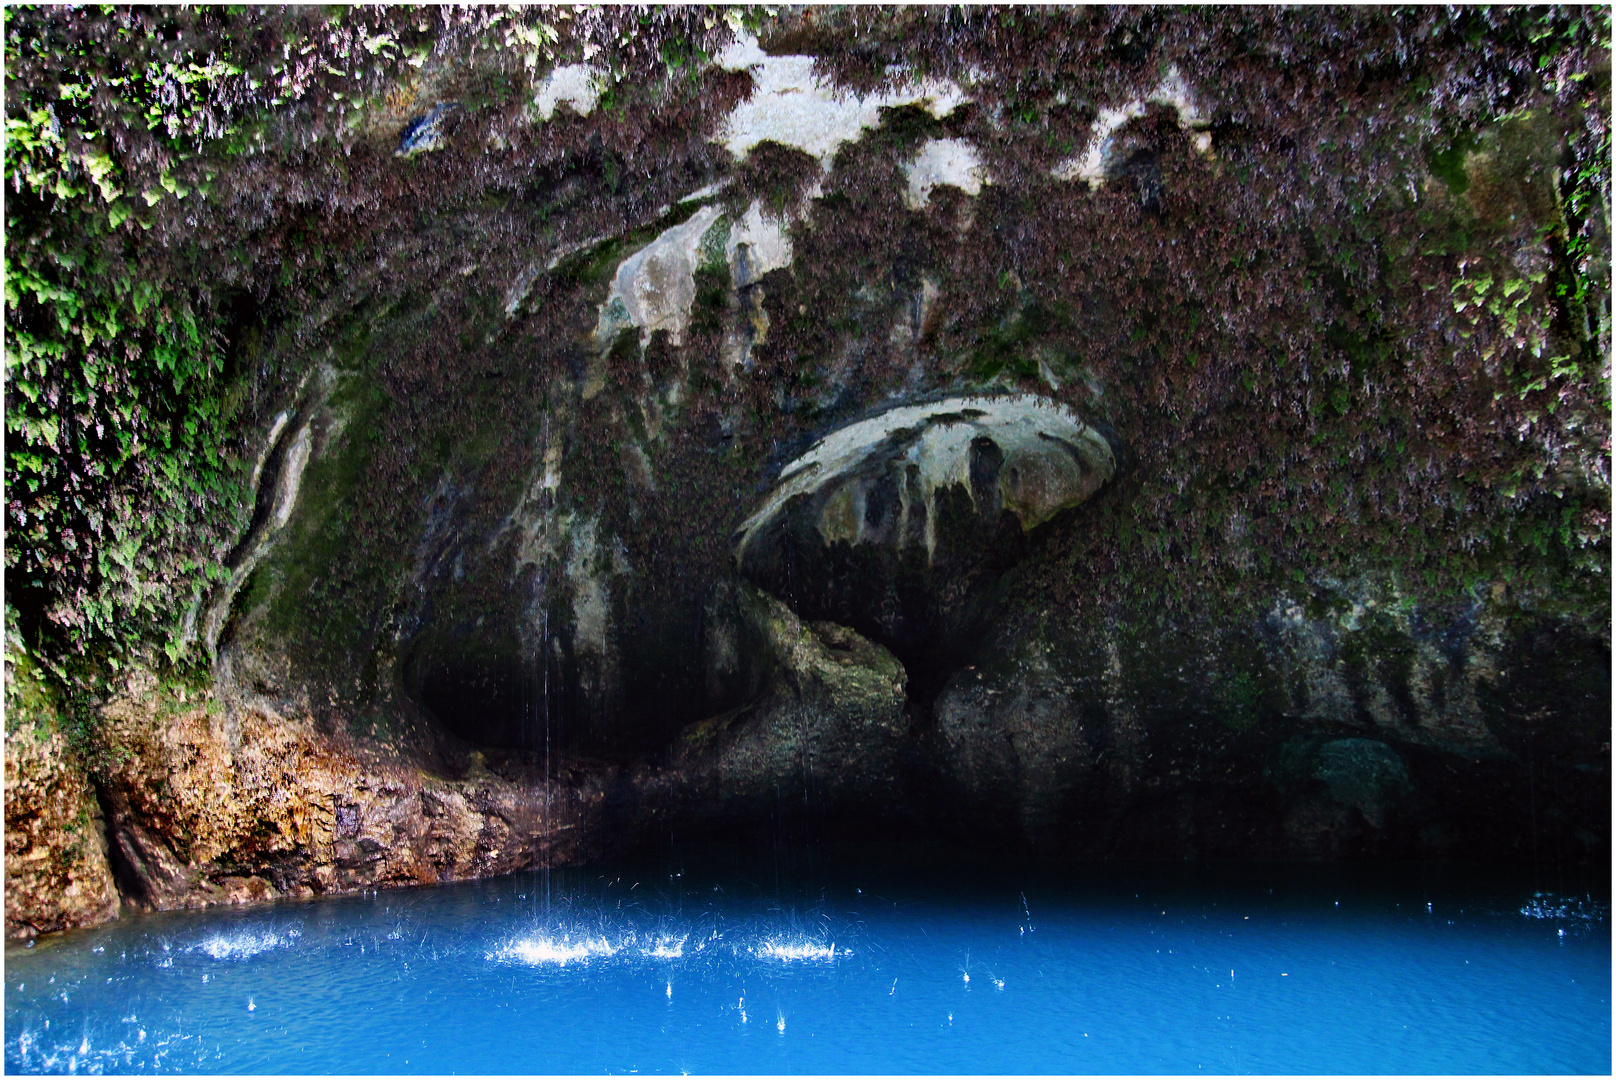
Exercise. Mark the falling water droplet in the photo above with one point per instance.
(250, 1005)
(780, 1024)
(670, 991)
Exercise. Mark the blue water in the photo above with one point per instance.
(894, 961)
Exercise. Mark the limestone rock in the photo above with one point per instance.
(1365, 774)
(1341, 794)
(756, 245)
(877, 481)
(209, 809)
(885, 522)
(57, 873)
(792, 106)
(576, 84)
(1366, 512)
(427, 132)
(943, 161)
(1093, 163)
(1014, 752)
(654, 288)
(827, 729)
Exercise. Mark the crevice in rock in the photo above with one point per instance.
(131, 888)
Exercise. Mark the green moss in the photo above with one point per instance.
(1239, 697)
(906, 127)
(321, 555)
(1014, 343)
(31, 699)
(712, 300)
(710, 251)
(1447, 161)
(625, 348)
(353, 344)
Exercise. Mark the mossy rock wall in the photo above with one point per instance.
(1338, 338)
(1332, 283)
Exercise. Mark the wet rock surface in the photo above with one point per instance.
(207, 810)
(57, 873)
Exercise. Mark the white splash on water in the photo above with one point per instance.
(34, 1051)
(796, 950)
(241, 944)
(548, 950)
(668, 948)
(1548, 905)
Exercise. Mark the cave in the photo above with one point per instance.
(792, 540)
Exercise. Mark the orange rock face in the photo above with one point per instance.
(57, 874)
(207, 809)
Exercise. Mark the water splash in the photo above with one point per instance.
(1547, 905)
(34, 1052)
(548, 950)
(668, 948)
(796, 950)
(242, 944)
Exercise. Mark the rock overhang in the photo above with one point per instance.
(877, 480)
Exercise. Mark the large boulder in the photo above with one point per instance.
(823, 740)
(897, 522)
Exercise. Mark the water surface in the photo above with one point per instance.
(904, 960)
